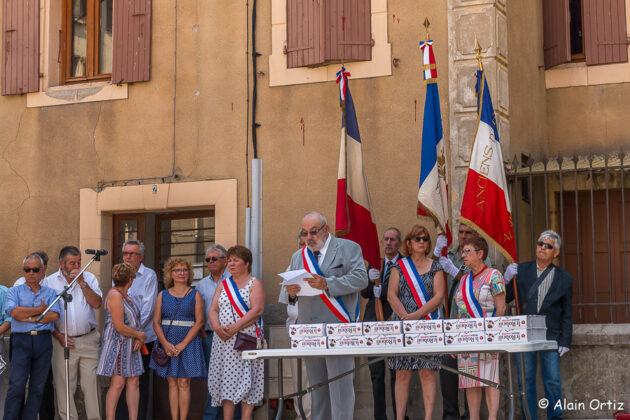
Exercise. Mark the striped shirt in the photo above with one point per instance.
(543, 289)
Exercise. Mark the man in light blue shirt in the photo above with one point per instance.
(143, 292)
(5, 325)
(32, 341)
(217, 263)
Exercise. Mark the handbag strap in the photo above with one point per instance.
(179, 305)
(259, 333)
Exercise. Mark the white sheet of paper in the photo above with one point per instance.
(298, 277)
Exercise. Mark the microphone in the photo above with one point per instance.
(96, 251)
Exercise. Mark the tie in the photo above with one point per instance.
(388, 271)
(316, 254)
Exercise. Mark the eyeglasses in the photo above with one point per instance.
(545, 245)
(313, 232)
(29, 269)
(466, 251)
(180, 271)
(127, 254)
(214, 259)
(421, 238)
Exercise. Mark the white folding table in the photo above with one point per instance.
(381, 353)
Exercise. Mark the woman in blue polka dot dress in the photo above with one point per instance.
(182, 305)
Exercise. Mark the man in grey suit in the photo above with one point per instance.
(343, 276)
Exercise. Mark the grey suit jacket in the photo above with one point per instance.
(345, 274)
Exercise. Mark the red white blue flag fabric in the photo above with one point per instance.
(239, 304)
(335, 304)
(433, 189)
(354, 219)
(414, 281)
(486, 204)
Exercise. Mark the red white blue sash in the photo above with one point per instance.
(336, 305)
(470, 300)
(414, 280)
(238, 303)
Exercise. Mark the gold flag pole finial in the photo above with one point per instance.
(477, 50)
(426, 26)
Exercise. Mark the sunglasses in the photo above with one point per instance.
(313, 232)
(214, 259)
(34, 270)
(421, 238)
(545, 245)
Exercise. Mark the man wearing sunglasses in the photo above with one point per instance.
(544, 289)
(343, 275)
(47, 408)
(455, 269)
(143, 292)
(217, 267)
(32, 343)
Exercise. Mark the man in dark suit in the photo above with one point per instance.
(544, 289)
(342, 276)
(391, 242)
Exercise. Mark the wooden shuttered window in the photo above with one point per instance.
(321, 32)
(20, 39)
(132, 41)
(605, 33)
(556, 42)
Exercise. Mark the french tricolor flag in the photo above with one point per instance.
(354, 213)
(433, 188)
(486, 204)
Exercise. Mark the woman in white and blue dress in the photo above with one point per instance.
(177, 321)
(122, 339)
(419, 272)
(230, 378)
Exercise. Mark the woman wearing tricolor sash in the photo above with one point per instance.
(415, 291)
(481, 293)
(237, 306)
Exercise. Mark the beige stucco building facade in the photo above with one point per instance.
(72, 157)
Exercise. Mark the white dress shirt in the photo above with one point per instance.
(322, 252)
(81, 319)
(207, 287)
(143, 292)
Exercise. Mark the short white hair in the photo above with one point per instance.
(320, 217)
(552, 236)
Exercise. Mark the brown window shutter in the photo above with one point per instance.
(557, 41)
(20, 39)
(304, 33)
(132, 41)
(605, 35)
(350, 30)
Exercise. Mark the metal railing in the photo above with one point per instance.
(583, 198)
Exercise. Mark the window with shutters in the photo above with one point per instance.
(328, 31)
(593, 31)
(88, 50)
(310, 38)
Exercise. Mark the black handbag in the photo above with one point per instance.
(158, 354)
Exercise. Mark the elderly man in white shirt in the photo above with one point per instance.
(83, 337)
(143, 292)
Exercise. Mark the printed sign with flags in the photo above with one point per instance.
(353, 219)
(486, 204)
(433, 189)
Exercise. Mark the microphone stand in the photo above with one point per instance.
(67, 297)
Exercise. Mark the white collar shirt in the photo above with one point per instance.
(22, 280)
(386, 260)
(143, 292)
(81, 319)
(207, 287)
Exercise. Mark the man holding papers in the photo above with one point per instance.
(337, 268)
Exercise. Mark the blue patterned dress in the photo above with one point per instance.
(117, 355)
(190, 363)
(409, 303)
